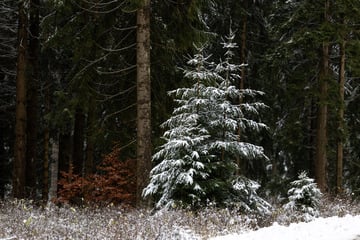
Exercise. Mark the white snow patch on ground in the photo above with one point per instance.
(332, 228)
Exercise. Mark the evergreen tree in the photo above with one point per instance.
(305, 87)
(197, 162)
(304, 196)
(183, 159)
(345, 15)
(243, 189)
(249, 19)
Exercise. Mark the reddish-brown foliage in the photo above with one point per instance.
(114, 183)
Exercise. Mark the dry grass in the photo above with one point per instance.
(21, 219)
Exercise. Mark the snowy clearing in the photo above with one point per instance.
(332, 228)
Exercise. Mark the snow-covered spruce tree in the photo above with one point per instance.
(304, 197)
(235, 117)
(182, 169)
(197, 162)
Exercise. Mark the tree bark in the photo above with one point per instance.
(322, 115)
(90, 143)
(65, 151)
(46, 161)
(78, 143)
(54, 169)
(20, 125)
(340, 150)
(241, 162)
(143, 100)
(32, 99)
(45, 186)
(2, 164)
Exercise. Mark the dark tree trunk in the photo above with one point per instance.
(322, 114)
(46, 161)
(54, 169)
(65, 152)
(90, 143)
(321, 134)
(312, 136)
(78, 142)
(19, 165)
(45, 186)
(241, 163)
(340, 147)
(2, 165)
(32, 99)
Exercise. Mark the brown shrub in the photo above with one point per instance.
(114, 182)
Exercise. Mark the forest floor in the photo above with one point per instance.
(21, 219)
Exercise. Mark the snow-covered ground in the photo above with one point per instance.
(332, 228)
(21, 219)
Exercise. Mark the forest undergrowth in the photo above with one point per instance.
(20, 219)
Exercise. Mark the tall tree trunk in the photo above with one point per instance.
(46, 161)
(32, 99)
(64, 158)
(339, 161)
(78, 143)
(322, 115)
(54, 169)
(241, 162)
(143, 100)
(2, 164)
(45, 186)
(20, 125)
(312, 121)
(65, 151)
(90, 143)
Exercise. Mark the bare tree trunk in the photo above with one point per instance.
(54, 169)
(339, 161)
(45, 187)
(143, 100)
(65, 151)
(312, 121)
(241, 162)
(89, 161)
(78, 142)
(32, 99)
(3, 164)
(20, 126)
(46, 161)
(321, 135)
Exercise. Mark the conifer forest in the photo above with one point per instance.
(179, 103)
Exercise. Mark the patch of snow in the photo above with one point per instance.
(332, 228)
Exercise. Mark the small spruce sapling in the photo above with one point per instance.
(247, 199)
(304, 196)
(243, 192)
